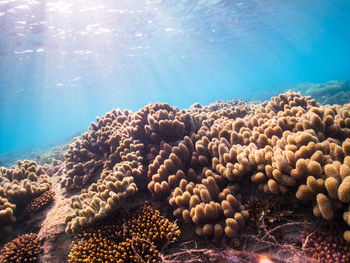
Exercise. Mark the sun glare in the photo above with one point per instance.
(264, 259)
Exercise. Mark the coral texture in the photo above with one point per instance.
(139, 238)
(85, 157)
(326, 246)
(287, 143)
(198, 160)
(40, 202)
(25, 248)
(6, 216)
(120, 143)
(19, 185)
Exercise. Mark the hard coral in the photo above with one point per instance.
(326, 245)
(21, 183)
(138, 238)
(285, 144)
(25, 248)
(131, 136)
(40, 202)
(85, 157)
(18, 186)
(102, 198)
(6, 216)
(198, 160)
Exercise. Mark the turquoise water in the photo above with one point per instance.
(64, 62)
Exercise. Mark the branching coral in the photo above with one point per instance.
(85, 157)
(21, 183)
(198, 160)
(285, 143)
(131, 136)
(18, 186)
(139, 238)
(25, 248)
(205, 162)
(6, 216)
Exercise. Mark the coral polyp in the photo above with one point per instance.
(25, 248)
(139, 237)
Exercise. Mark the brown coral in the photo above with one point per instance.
(198, 159)
(19, 184)
(85, 157)
(25, 248)
(40, 202)
(140, 238)
(287, 143)
(6, 216)
(326, 245)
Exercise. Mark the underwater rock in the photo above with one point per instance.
(55, 243)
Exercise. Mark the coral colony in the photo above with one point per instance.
(210, 167)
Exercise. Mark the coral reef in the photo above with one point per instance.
(110, 156)
(85, 157)
(40, 202)
(210, 166)
(19, 185)
(287, 142)
(55, 155)
(139, 238)
(331, 92)
(25, 248)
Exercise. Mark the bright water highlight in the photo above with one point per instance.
(64, 62)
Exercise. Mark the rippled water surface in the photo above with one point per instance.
(64, 62)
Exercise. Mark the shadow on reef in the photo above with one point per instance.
(245, 180)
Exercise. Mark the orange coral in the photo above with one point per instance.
(139, 238)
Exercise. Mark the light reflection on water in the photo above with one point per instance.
(63, 62)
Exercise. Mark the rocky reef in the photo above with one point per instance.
(233, 175)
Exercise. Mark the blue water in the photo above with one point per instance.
(64, 62)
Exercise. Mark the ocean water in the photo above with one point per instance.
(64, 62)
